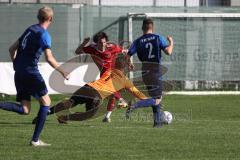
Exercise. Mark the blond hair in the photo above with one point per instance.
(44, 14)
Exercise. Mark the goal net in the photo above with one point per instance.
(206, 48)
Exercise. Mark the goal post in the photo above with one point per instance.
(206, 48)
(185, 15)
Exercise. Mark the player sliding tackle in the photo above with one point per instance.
(148, 48)
(25, 54)
(93, 93)
(106, 52)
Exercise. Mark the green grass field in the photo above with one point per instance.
(204, 127)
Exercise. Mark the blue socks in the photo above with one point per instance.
(144, 103)
(13, 107)
(42, 114)
(155, 108)
(156, 114)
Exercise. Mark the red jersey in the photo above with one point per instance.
(107, 57)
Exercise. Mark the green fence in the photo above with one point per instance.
(205, 49)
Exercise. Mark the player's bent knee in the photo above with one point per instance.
(26, 111)
(26, 107)
(45, 100)
(158, 101)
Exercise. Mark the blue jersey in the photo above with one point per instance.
(31, 45)
(148, 47)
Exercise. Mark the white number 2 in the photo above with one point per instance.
(24, 42)
(150, 47)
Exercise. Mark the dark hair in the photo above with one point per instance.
(99, 35)
(147, 23)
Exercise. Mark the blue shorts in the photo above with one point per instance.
(29, 84)
(152, 78)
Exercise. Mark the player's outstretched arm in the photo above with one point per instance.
(79, 50)
(129, 62)
(52, 61)
(131, 88)
(13, 50)
(169, 49)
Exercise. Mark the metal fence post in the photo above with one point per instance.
(154, 3)
(185, 3)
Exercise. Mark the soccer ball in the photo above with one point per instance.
(166, 117)
(122, 103)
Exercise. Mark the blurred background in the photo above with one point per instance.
(206, 54)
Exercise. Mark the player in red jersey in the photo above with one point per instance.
(107, 52)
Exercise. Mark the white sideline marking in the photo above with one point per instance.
(201, 93)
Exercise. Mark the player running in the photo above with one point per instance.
(93, 93)
(25, 54)
(148, 48)
(101, 49)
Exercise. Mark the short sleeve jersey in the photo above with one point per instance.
(107, 57)
(148, 47)
(32, 43)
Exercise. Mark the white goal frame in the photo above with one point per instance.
(176, 15)
(130, 17)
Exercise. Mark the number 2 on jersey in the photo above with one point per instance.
(149, 46)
